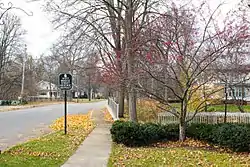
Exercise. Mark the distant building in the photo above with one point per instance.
(47, 90)
(236, 82)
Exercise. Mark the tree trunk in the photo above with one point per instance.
(152, 85)
(166, 94)
(225, 115)
(50, 91)
(91, 94)
(182, 131)
(131, 61)
(166, 88)
(121, 102)
(242, 99)
(127, 100)
(132, 105)
(89, 89)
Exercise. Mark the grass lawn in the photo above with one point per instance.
(230, 108)
(51, 150)
(173, 157)
(221, 107)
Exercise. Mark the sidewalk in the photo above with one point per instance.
(95, 150)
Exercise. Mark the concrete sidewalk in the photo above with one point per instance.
(95, 149)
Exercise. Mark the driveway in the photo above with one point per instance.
(20, 125)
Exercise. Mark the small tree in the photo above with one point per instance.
(186, 46)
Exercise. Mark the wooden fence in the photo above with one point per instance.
(206, 117)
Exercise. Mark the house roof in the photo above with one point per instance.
(45, 85)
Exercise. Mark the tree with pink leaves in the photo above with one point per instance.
(185, 44)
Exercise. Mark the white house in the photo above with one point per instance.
(236, 83)
(46, 88)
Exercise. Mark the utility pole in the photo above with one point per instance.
(89, 88)
(23, 71)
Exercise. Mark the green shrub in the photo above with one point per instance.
(172, 131)
(233, 136)
(22, 102)
(138, 134)
(152, 132)
(12, 102)
(201, 131)
(15, 102)
(6, 102)
(127, 133)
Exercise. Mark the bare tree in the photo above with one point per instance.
(49, 66)
(111, 24)
(11, 46)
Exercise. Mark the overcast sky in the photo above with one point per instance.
(40, 33)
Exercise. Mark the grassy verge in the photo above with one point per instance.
(51, 150)
(45, 103)
(87, 100)
(29, 105)
(174, 156)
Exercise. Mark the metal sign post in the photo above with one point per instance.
(65, 83)
(65, 112)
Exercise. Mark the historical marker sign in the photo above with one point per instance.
(65, 81)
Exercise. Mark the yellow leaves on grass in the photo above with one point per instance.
(191, 143)
(25, 151)
(172, 157)
(187, 143)
(76, 121)
(107, 116)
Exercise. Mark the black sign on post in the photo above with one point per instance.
(65, 83)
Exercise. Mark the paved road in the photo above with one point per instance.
(20, 125)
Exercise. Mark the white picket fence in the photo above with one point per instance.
(114, 108)
(206, 117)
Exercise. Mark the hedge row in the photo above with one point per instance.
(233, 136)
(136, 134)
(12, 102)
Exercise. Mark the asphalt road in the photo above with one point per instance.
(20, 125)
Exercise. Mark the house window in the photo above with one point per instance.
(236, 92)
(240, 92)
(43, 93)
(229, 93)
(233, 92)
